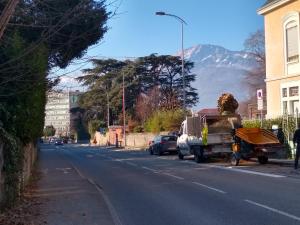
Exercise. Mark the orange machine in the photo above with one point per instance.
(253, 142)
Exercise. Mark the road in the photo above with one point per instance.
(140, 189)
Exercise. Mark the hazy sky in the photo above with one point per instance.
(137, 31)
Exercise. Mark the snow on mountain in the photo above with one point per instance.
(219, 70)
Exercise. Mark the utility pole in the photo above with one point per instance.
(107, 97)
(6, 15)
(124, 113)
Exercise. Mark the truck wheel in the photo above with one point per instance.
(234, 160)
(199, 156)
(263, 159)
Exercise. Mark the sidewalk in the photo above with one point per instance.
(66, 197)
(286, 162)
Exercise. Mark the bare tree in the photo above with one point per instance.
(147, 104)
(255, 44)
(255, 79)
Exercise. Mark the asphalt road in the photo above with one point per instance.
(140, 189)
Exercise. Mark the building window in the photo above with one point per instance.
(294, 107)
(293, 91)
(284, 107)
(292, 42)
(284, 92)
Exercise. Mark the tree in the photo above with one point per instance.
(95, 125)
(255, 45)
(49, 131)
(39, 36)
(147, 104)
(152, 81)
(255, 79)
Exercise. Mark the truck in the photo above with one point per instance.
(206, 136)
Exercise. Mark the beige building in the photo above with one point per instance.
(58, 110)
(282, 56)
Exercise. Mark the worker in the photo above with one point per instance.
(296, 140)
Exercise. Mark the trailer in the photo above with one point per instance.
(253, 142)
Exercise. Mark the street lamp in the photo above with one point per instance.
(182, 50)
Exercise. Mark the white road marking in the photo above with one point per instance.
(274, 210)
(152, 170)
(131, 164)
(112, 210)
(211, 188)
(171, 175)
(235, 169)
(251, 172)
(118, 160)
(201, 168)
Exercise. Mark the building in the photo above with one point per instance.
(254, 113)
(58, 110)
(282, 56)
(209, 112)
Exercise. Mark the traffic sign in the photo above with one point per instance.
(260, 104)
(259, 94)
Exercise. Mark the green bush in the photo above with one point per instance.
(138, 129)
(49, 131)
(267, 123)
(95, 125)
(164, 121)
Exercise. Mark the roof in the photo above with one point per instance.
(209, 111)
(271, 5)
(269, 2)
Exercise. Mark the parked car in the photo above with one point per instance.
(163, 143)
(59, 142)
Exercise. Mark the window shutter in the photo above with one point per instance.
(292, 42)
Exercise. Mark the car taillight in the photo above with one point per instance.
(163, 142)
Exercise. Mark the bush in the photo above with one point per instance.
(138, 129)
(49, 131)
(94, 125)
(165, 121)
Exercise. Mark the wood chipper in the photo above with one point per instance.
(253, 142)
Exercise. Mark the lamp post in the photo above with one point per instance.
(182, 51)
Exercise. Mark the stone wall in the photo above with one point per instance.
(139, 140)
(133, 140)
(30, 156)
(99, 139)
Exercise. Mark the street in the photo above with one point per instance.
(141, 189)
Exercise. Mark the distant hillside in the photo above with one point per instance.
(219, 70)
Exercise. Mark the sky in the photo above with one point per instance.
(136, 31)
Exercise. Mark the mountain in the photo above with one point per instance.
(219, 70)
